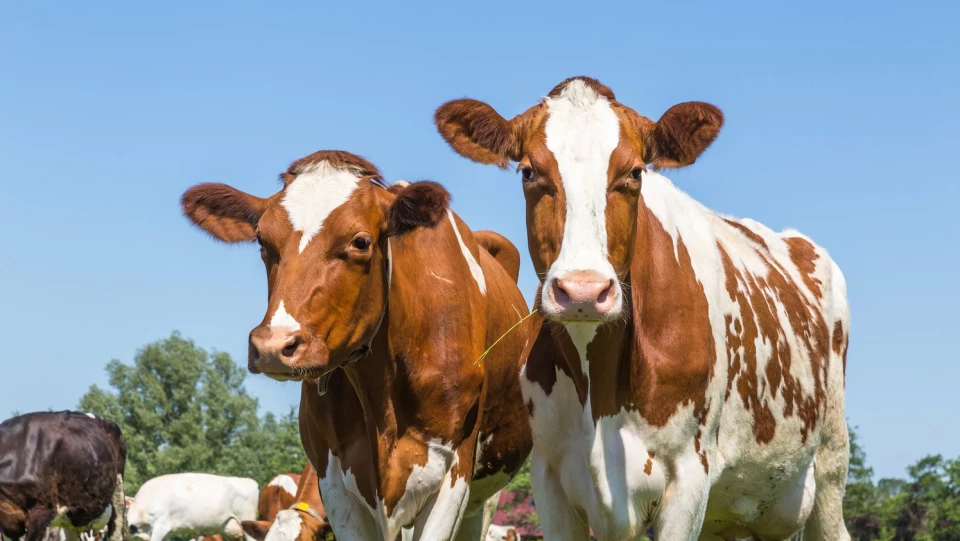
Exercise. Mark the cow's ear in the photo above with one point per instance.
(682, 134)
(224, 212)
(477, 132)
(421, 204)
(256, 529)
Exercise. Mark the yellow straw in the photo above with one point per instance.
(524, 318)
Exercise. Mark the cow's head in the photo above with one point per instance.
(324, 239)
(581, 156)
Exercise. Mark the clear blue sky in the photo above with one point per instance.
(843, 121)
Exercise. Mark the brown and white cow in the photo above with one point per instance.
(278, 494)
(302, 518)
(693, 377)
(391, 286)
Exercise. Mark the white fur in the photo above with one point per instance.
(389, 264)
(316, 193)
(772, 488)
(283, 320)
(286, 526)
(195, 504)
(432, 501)
(582, 131)
(475, 269)
(286, 483)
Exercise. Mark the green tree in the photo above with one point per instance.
(861, 505)
(184, 410)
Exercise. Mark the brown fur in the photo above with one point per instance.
(502, 250)
(477, 131)
(596, 85)
(683, 133)
(421, 204)
(338, 159)
(225, 213)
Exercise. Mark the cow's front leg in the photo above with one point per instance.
(351, 520)
(441, 517)
(558, 518)
(680, 517)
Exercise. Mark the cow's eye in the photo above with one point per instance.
(637, 173)
(526, 173)
(361, 243)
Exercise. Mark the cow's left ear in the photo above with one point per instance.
(224, 212)
(681, 134)
(421, 204)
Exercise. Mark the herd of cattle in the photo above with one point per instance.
(683, 370)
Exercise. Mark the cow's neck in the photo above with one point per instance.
(660, 355)
(373, 378)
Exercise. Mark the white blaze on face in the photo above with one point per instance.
(475, 269)
(314, 194)
(285, 482)
(582, 131)
(283, 320)
(286, 527)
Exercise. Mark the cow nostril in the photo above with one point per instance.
(560, 295)
(291, 346)
(605, 294)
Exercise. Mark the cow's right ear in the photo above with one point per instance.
(421, 204)
(224, 212)
(477, 132)
(256, 529)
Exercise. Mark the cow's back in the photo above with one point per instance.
(194, 502)
(785, 330)
(42, 456)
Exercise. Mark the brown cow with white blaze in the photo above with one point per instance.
(693, 379)
(280, 493)
(303, 518)
(392, 287)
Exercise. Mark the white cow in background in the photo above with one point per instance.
(196, 504)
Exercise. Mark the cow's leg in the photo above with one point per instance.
(471, 528)
(558, 519)
(489, 509)
(232, 529)
(38, 519)
(160, 530)
(830, 473)
(684, 502)
(440, 518)
(350, 519)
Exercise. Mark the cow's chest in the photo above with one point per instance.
(403, 490)
(602, 467)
